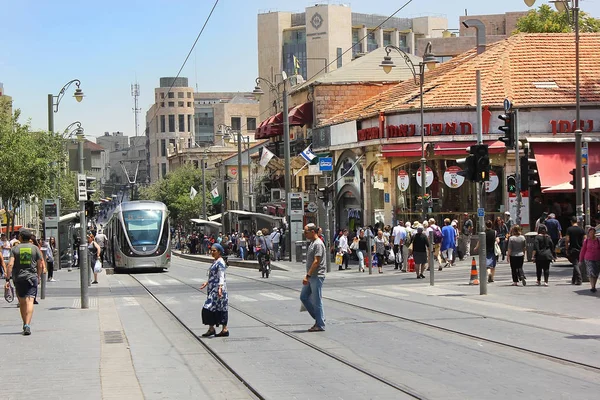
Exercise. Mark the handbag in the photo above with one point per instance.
(97, 267)
(9, 293)
(339, 258)
(497, 251)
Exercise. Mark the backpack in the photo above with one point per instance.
(437, 235)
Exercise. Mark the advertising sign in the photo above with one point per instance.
(452, 179)
(493, 183)
(403, 180)
(512, 207)
(428, 177)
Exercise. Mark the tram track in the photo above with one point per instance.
(399, 387)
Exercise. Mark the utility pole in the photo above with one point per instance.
(517, 169)
(203, 167)
(239, 174)
(83, 260)
(480, 199)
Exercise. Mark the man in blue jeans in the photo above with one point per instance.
(311, 294)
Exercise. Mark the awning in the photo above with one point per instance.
(402, 150)
(567, 188)
(301, 114)
(214, 217)
(274, 125)
(460, 148)
(556, 160)
(68, 217)
(253, 215)
(205, 222)
(260, 129)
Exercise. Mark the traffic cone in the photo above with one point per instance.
(473, 280)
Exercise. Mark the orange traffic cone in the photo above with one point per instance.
(473, 280)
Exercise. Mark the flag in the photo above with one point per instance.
(307, 154)
(265, 157)
(193, 193)
(296, 65)
(216, 197)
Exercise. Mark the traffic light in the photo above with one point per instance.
(508, 129)
(481, 152)
(573, 173)
(528, 172)
(89, 208)
(324, 195)
(468, 166)
(511, 184)
(89, 186)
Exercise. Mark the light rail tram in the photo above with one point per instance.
(139, 236)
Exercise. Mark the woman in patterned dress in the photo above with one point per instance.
(214, 312)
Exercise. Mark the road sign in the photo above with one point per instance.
(507, 105)
(481, 212)
(325, 163)
(584, 154)
(312, 207)
(386, 197)
(81, 188)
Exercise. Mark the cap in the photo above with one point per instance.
(465, 213)
(275, 229)
(507, 212)
(259, 233)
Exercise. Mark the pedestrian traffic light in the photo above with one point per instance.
(511, 184)
(468, 166)
(508, 129)
(89, 186)
(324, 195)
(89, 208)
(481, 152)
(573, 173)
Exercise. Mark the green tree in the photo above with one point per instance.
(174, 191)
(546, 20)
(30, 159)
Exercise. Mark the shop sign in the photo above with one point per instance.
(403, 180)
(564, 126)
(233, 171)
(452, 179)
(368, 134)
(428, 176)
(446, 128)
(493, 183)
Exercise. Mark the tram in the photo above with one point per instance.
(139, 236)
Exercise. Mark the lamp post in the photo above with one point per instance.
(203, 162)
(430, 62)
(286, 146)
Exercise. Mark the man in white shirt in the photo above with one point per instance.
(101, 240)
(5, 246)
(344, 248)
(398, 238)
(275, 239)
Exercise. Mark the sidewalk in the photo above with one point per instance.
(125, 346)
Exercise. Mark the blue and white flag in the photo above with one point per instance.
(307, 154)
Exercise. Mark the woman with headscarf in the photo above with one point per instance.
(419, 249)
(215, 309)
(590, 255)
(543, 254)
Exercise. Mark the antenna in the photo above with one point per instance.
(135, 92)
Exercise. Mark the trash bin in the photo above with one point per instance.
(529, 240)
(301, 247)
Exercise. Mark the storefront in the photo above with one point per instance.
(348, 199)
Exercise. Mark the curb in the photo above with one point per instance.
(230, 262)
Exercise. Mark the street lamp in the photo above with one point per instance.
(430, 62)
(564, 6)
(54, 101)
(286, 145)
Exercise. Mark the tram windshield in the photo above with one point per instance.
(143, 226)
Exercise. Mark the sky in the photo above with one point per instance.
(111, 44)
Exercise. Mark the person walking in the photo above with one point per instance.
(311, 295)
(215, 311)
(437, 240)
(344, 248)
(490, 255)
(261, 249)
(93, 255)
(467, 234)
(398, 236)
(275, 239)
(543, 254)
(573, 243)
(5, 246)
(25, 267)
(590, 255)
(419, 249)
(379, 249)
(554, 229)
(101, 240)
(50, 258)
(243, 246)
(516, 254)
(448, 242)
(502, 234)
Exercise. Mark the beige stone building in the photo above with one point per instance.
(169, 124)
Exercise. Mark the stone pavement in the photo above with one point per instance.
(123, 347)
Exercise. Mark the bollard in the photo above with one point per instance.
(44, 280)
(369, 255)
(431, 260)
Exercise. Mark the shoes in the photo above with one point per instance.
(490, 280)
(51, 280)
(340, 269)
(538, 283)
(35, 301)
(403, 270)
(418, 276)
(545, 283)
(524, 281)
(222, 334)
(316, 329)
(593, 290)
(347, 268)
(94, 282)
(577, 283)
(515, 284)
(26, 330)
(209, 333)
(440, 268)
(422, 276)
(396, 267)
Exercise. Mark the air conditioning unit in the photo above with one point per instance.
(277, 194)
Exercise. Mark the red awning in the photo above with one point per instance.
(402, 150)
(556, 160)
(301, 114)
(460, 148)
(274, 125)
(260, 130)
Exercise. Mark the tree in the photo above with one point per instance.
(174, 191)
(30, 160)
(546, 20)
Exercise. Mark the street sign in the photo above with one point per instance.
(325, 163)
(507, 105)
(312, 207)
(481, 212)
(51, 213)
(584, 154)
(296, 201)
(386, 197)
(81, 188)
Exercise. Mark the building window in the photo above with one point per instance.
(162, 123)
(356, 46)
(171, 95)
(180, 104)
(236, 123)
(171, 104)
(189, 126)
(172, 143)
(189, 95)
(189, 143)
(180, 95)
(339, 57)
(162, 104)
(163, 168)
(142, 153)
(181, 123)
(162, 95)
(251, 124)
(171, 123)
(189, 104)
(163, 148)
(387, 38)
(371, 41)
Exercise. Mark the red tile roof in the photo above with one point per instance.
(93, 146)
(513, 68)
